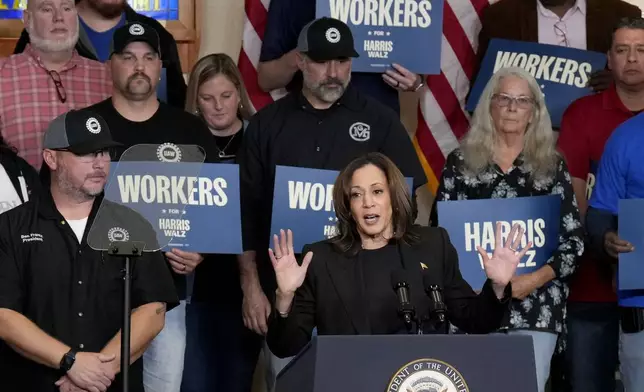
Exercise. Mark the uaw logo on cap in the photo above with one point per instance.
(333, 35)
(168, 152)
(118, 234)
(360, 132)
(136, 29)
(93, 125)
(428, 375)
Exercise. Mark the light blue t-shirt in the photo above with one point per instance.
(101, 41)
(621, 176)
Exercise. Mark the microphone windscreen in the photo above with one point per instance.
(399, 277)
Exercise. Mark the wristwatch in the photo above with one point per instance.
(68, 361)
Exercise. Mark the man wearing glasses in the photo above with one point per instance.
(581, 24)
(47, 79)
(61, 300)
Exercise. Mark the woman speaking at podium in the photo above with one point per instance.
(343, 286)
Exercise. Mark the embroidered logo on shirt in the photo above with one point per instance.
(333, 35)
(136, 29)
(360, 132)
(168, 152)
(118, 234)
(31, 237)
(93, 125)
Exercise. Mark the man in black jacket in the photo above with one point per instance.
(98, 19)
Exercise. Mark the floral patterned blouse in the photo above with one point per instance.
(545, 308)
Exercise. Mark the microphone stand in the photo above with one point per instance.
(127, 250)
(439, 312)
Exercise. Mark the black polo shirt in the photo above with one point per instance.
(70, 291)
(167, 125)
(286, 19)
(290, 132)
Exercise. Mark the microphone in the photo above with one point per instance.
(399, 279)
(435, 294)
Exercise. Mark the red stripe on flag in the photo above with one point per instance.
(449, 103)
(257, 15)
(430, 148)
(258, 97)
(458, 40)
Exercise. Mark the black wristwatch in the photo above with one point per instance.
(68, 361)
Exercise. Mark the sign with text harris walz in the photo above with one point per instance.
(192, 206)
(406, 32)
(303, 202)
(472, 223)
(562, 72)
(157, 9)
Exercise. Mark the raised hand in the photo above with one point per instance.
(289, 274)
(500, 268)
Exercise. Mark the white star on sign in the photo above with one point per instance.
(330, 219)
(163, 211)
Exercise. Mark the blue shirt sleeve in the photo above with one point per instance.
(285, 20)
(610, 184)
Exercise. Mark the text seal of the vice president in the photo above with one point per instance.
(427, 375)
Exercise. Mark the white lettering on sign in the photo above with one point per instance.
(378, 49)
(383, 13)
(304, 195)
(549, 68)
(179, 190)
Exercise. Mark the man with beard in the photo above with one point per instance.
(324, 126)
(47, 79)
(99, 19)
(137, 117)
(61, 300)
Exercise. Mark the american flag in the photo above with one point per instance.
(442, 119)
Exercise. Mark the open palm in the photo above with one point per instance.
(288, 273)
(500, 268)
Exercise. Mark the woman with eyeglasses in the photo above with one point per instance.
(509, 152)
(19, 181)
(221, 353)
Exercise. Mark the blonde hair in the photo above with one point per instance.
(207, 68)
(539, 152)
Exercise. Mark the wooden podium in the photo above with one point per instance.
(183, 21)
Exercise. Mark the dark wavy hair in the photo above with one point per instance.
(348, 239)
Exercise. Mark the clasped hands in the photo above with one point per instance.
(91, 372)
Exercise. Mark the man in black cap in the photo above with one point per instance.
(324, 126)
(136, 116)
(61, 300)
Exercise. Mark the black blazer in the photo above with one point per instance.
(330, 300)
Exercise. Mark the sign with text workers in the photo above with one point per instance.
(303, 202)
(184, 199)
(472, 223)
(562, 72)
(631, 228)
(406, 32)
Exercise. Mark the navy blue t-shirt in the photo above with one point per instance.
(621, 176)
(101, 41)
(286, 18)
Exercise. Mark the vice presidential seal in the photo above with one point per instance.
(427, 375)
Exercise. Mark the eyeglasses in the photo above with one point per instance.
(561, 32)
(60, 89)
(521, 101)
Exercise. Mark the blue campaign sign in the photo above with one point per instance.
(192, 206)
(157, 9)
(631, 229)
(561, 72)
(407, 32)
(303, 202)
(472, 223)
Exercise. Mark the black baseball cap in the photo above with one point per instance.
(135, 32)
(326, 39)
(80, 132)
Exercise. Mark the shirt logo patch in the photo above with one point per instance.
(93, 125)
(118, 234)
(168, 152)
(333, 35)
(360, 132)
(31, 237)
(136, 29)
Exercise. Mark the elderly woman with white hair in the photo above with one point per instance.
(509, 152)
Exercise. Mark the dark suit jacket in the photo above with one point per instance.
(518, 20)
(330, 299)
